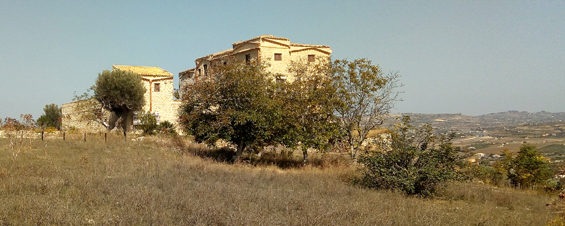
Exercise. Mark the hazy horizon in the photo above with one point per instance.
(468, 57)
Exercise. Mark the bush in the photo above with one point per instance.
(167, 127)
(147, 122)
(412, 162)
(486, 174)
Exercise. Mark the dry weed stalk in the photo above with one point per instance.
(45, 149)
(13, 128)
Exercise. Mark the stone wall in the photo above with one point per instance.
(75, 116)
(263, 48)
(162, 102)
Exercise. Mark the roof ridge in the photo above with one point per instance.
(260, 36)
(144, 70)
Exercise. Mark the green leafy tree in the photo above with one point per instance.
(121, 93)
(236, 105)
(308, 105)
(367, 96)
(51, 116)
(527, 168)
(412, 160)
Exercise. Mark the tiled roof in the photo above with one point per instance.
(308, 45)
(144, 71)
(187, 71)
(261, 36)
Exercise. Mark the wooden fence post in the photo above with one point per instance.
(42, 134)
(63, 135)
(84, 136)
(105, 137)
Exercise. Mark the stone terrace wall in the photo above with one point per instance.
(74, 117)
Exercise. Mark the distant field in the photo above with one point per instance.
(553, 150)
(149, 182)
(490, 145)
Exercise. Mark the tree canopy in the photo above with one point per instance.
(308, 105)
(51, 116)
(121, 93)
(244, 104)
(527, 167)
(236, 104)
(366, 96)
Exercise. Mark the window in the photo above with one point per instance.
(205, 70)
(247, 58)
(199, 72)
(278, 56)
(311, 58)
(157, 87)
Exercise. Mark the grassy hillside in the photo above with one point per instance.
(149, 182)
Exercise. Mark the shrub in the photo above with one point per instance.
(167, 127)
(147, 122)
(412, 162)
(487, 174)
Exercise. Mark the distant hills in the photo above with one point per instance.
(452, 122)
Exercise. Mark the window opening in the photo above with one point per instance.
(278, 56)
(311, 58)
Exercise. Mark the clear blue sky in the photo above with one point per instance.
(470, 57)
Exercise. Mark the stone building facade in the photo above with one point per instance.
(159, 98)
(277, 52)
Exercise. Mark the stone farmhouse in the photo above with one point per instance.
(278, 52)
(159, 98)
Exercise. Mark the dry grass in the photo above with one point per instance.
(149, 182)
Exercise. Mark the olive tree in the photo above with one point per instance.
(366, 97)
(121, 93)
(118, 92)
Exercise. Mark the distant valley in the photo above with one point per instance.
(494, 132)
